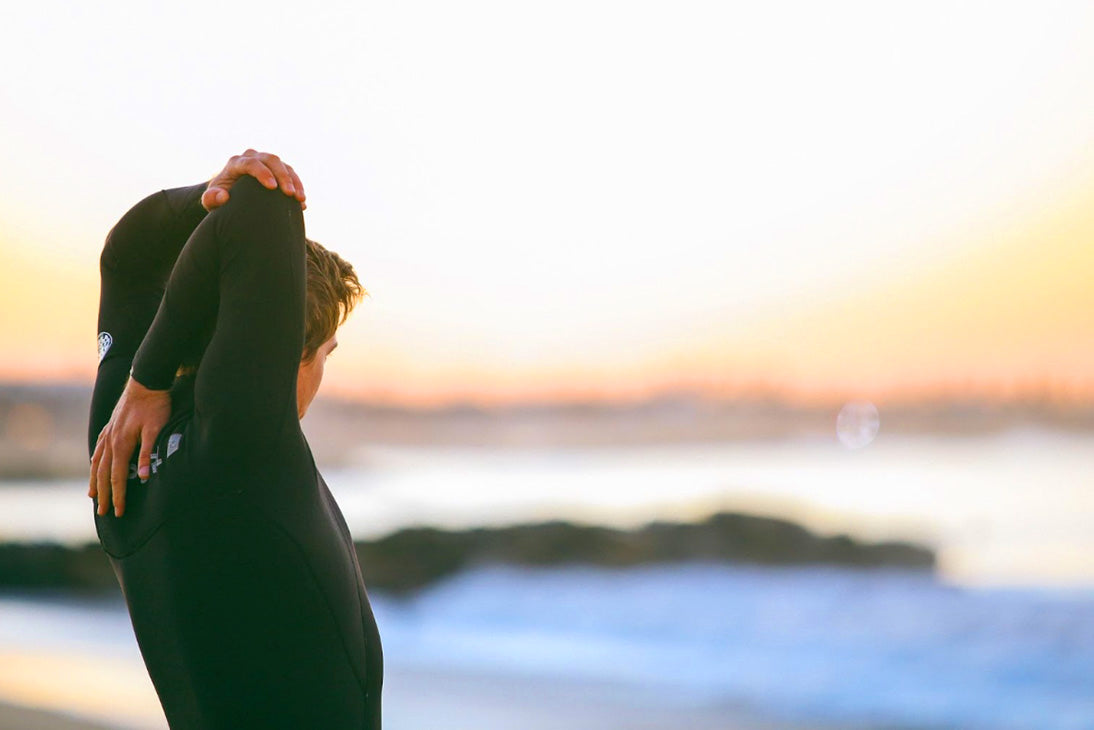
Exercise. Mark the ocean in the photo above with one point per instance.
(1000, 638)
(1009, 509)
(806, 647)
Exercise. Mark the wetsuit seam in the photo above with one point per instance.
(326, 602)
(141, 544)
(315, 472)
(158, 446)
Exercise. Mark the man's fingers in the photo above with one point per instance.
(259, 170)
(96, 457)
(119, 499)
(267, 168)
(102, 482)
(297, 185)
(281, 173)
(119, 472)
(214, 197)
(144, 460)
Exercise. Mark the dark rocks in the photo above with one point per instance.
(415, 557)
(48, 565)
(412, 558)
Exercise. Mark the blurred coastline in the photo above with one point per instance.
(696, 645)
(674, 562)
(44, 426)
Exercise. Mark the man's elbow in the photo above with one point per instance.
(108, 259)
(132, 233)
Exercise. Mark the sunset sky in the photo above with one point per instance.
(592, 199)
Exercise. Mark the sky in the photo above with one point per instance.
(593, 199)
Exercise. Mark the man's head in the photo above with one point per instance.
(332, 292)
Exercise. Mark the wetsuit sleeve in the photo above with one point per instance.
(248, 256)
(134, 267)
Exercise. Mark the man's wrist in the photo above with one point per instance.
(138, 387)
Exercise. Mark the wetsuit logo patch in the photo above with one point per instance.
(173, 443)
(105, 341)
(155, 462)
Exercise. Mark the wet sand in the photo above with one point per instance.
(425, 699)
(431, 700)
(421, 699)
(16, 717)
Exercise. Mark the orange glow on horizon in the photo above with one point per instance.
(1009, 318)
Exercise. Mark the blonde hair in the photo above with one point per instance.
(333, 292)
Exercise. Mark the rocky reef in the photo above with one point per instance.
(415, 557)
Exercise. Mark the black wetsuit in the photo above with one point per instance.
(238, 569)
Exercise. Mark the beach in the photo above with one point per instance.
(15, 717)
(696, 645)
(999, 637)
(422, 699)
(472, 701)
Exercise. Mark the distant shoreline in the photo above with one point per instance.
(413, 558)
(45, 426)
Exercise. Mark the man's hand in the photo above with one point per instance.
(139, 415)
(266, 168)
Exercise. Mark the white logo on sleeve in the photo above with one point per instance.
(105, 341)
(173, 443)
